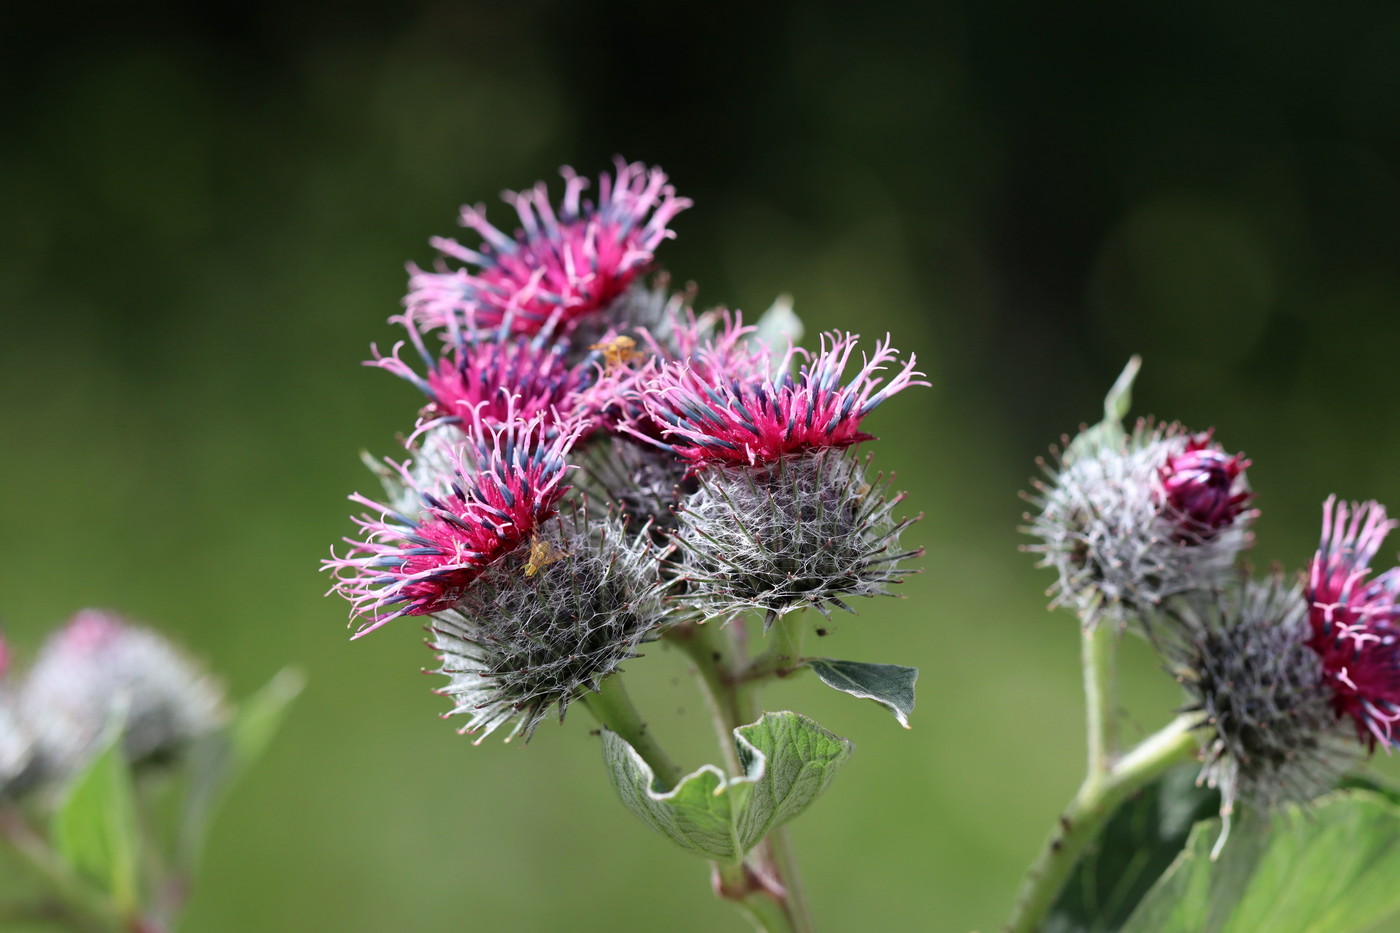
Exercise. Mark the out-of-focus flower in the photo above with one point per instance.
(557, 268)
(712, 413)
(97, 668)
(1128, 524)
(804, 531)
(505, 481)
(1269, 732)
(1354, 619)
(548, 623)
(16, 744)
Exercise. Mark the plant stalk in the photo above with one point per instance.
(613, 708)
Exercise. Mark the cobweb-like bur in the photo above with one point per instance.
(1112, 532)
(551, 620)
(1269, 732)
(803, 531)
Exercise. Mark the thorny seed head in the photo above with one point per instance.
(1269, 734)
(1119, 539)
(558, 267)
(518, 644)
(804, 531)
(1355, 622)
(505, 481)
(98, 666)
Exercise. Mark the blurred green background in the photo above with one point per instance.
(207, 215)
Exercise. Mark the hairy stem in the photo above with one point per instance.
(1099, 654)
(613, 708)
(731, 687)
(1084, 819)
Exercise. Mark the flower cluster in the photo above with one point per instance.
(1291, 683)
(595, 463)
(95, 672)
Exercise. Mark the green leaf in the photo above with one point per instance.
(220, 759)
(1330, 867)
(94, 826)
(1116, 405)
(788, 761)
(889, 685)
(1136, 847)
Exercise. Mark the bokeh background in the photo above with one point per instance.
(207, 211)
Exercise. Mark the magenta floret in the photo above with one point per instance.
(1353, 619)
(557, 267)
(713, 416)
(505, 480)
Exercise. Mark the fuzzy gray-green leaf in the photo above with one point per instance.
(1328, 868)
(890, 685)
(788, 761)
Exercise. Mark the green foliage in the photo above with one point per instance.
(788, 760)
(890, 685)
(1327, 868)
(95, 825)
(1136, 847)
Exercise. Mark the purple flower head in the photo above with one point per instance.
(496, 381)
(1205, 486)
(715, 416)
(558, 267)
(1353, 619)
(503, 481)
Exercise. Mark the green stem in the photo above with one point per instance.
(731, 687)
(613, 708)
(1098, 654)
(1085, 817)
(784, 655)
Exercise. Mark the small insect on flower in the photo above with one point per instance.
(542, 554)
(618, 351)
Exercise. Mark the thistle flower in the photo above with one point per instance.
(1268, 728)
(1126, 525)
(97, 667)
(556, 268)
(712, 414)
(1354, 620)
(804, 531)
(550, 621)
(494, 381)
(505, 481)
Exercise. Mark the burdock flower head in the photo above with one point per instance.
(1268, 726)
(505, 481)
(1128, 520)
(548, 623)
(99, 667)
(559, 266)
(784, 516)
(1353, 619)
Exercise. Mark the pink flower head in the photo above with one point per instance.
(1205, 486)
(714, 416)
(1353, 619)
(494, 381)
(504, 481)
(556, 268)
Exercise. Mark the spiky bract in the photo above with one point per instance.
(552, 620)
(1115, 535)
(1269, 733)
(556, 268)
(805, 531)
(1355, 621)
